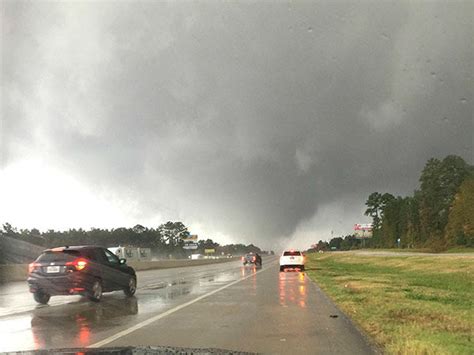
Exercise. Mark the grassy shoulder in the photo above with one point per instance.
(408, 304)
(424, 250)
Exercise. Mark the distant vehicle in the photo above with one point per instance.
(83, 270)
(292, 259)
(132, 253)
(252, 259)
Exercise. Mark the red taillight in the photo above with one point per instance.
(32, 267)
(79, 264)
(253, 258)
(243, 258)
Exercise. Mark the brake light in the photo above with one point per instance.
(79, 264)
(253, 258)
(243, 258)
(32, 267)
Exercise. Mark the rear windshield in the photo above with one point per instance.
(64, 255)
(292, 253)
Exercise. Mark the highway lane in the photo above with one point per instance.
(220, 306)
(15, 298)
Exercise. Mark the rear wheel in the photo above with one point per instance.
(95, 293)
(131, 287)
(282, 268)
(41, 297)
(302, 267)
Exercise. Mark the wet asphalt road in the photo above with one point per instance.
(224, 306)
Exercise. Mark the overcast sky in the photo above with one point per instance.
(251, 122)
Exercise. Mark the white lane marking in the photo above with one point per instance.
(168, 312)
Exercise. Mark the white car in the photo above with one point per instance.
(292, 259)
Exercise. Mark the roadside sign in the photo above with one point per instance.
(209, 251)
(363, 230)
(190, 238)
(190, 246)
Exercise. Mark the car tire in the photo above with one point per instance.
(41, 297)
(131, 288)
(95, 293)
(282, 268)
(302, 267)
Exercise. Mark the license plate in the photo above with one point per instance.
(292, 257)
(52, 269)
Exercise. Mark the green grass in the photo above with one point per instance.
(401, 250)
(424, 250)
(408, 304)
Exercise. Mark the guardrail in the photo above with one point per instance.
(19, 272)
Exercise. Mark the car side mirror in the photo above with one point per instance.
(123, 261)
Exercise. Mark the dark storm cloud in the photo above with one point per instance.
(246, 117)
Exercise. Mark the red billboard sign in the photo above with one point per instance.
(363, 230)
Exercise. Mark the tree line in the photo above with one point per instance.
(347, 242)
(165, 240)
(439, 214)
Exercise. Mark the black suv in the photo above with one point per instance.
(252, 259)
(83, 270)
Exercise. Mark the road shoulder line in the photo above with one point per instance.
(365, 336)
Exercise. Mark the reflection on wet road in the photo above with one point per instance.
(73, 321)
(77, 323)
(292, 288)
